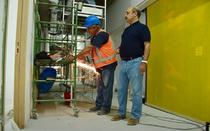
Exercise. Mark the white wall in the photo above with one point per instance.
(2, 24)
(136, 2)
(115, 14)
(29, 62)
(10, 54)
(10, 61)
(143, 17)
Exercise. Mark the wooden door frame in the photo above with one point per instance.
(20, 62)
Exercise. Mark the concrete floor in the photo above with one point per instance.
(59, 117)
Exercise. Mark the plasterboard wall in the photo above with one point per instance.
(29, 62)
(10, 54)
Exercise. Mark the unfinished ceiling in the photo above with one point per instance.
(44, 10)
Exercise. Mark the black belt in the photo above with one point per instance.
(129, 58)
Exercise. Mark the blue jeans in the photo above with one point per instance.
(129, 71)
(105, 88)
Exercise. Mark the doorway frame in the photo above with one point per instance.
(20, 63)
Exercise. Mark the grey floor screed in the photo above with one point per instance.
(59, 117)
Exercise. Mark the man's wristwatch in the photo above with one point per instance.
(144, 61)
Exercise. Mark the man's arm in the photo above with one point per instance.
(147, 39)
(143, 64)
(146, 50)
(117, 51)
(86, 50)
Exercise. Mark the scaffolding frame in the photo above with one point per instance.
(66, 44)
(87, 87)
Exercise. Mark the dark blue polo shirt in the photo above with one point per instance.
(97, 41)
(132, 40)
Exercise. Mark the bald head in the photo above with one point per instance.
(132, 15)
(138, 12)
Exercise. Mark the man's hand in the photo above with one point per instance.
(56, 56)
(143, 67)
(117, 51)
(71, 57)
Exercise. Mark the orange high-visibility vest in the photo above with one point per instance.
(104, 55)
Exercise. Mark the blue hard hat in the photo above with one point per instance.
(91, 20)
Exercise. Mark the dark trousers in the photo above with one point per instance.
(105, 88)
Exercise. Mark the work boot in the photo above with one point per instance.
(103, 112)
(93, 109)
(117, 118)
(132, 122)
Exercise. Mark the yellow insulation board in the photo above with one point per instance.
(179, 65)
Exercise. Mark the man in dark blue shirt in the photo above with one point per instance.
(133, 38)
(134, 52)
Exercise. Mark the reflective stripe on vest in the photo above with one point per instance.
(103, 59)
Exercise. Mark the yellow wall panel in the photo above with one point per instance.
(179, 67)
